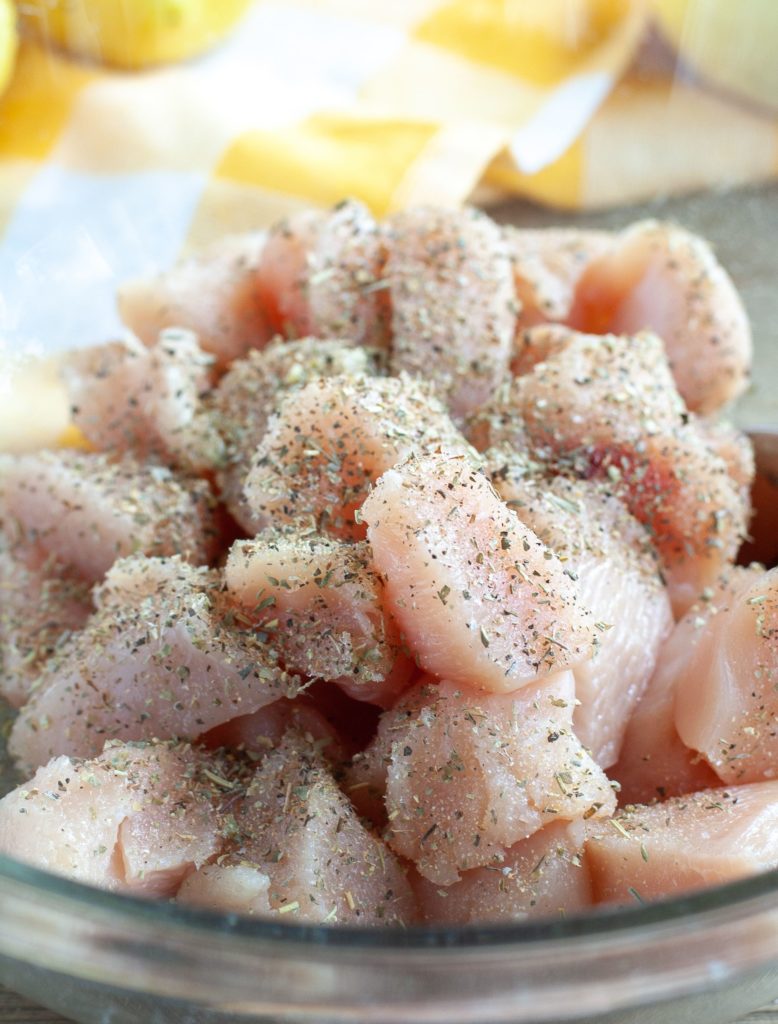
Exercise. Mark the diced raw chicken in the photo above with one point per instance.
(575, 393)
(160, 657)
(662, 278)
(147, 401)
(87, 510)
(230, 888)
(320, 273)
(332, 439)
(606, 407)
(137, 818)
(655, 762)
(296, 828)
(547, 264)
(686, 843)
(249, 393)
(215, 294)
(262, 731)
(542, 876)
(453, 301)
(468, 774)
(610, 555)
(41, 603)
(318, 605)
(479, 598)
(737, 451)
(726, 689)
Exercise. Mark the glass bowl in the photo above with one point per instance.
(100, 957)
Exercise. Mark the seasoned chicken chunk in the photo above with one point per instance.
(479, 598)
(161, 656)
(662, 278)
(686, 843)
(147, 401)
(300, 850)
(320, 273)
(332, 439)
(319, 603)
(214, 293)
(467, 775)
(453, 301)
(88, 510)
(251, 391)
(41, 603)
(610, 556)
(606, 407)
(542, 876)
(137, 818)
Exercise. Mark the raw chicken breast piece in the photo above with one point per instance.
(147, 401)
(88, 510)
(726, 689)
(262, 731)
(250, 392)
(547, 265)
(610, 555)
(214, 293)
(686, 843)
(297, 829)
(606, 407)
(655, 762)
(332, 439)
(318, 604)
(320, 273)
(453, 302)
(479, 598)
(137, 818)
(41, 603)
(161, 657)
(662, 278)
(543, 876)
(468, 774)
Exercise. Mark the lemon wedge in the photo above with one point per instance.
(132, 34)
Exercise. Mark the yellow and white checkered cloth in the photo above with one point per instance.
(106, 175)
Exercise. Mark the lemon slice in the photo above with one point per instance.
(136, 34)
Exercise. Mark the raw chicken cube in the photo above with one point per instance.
(610, 555)
(480, 599)
(453, 300)
(542, 876)
(320, 273)
(686, 843)
(297, 829)
(214, 293)
(162, 657)
(137, 818)
(468, 774)
(250, 392)
(319, 602)
(88, 510)
(332, 439)
(147, 401)
(662, 278)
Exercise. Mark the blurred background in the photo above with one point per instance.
(132, 131)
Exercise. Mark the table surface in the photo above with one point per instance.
(743, 226)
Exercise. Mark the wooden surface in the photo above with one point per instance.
(15, 1010)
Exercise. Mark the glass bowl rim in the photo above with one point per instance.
(603, 923)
